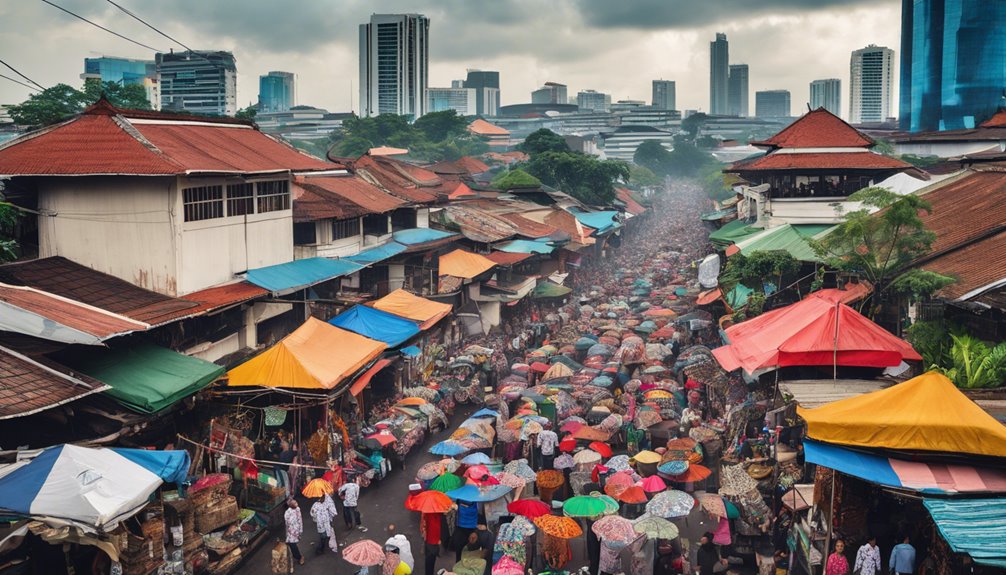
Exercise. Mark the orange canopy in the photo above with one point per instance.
(405, 304)
(317, 355)
(926, 413)
(462, 264)
(813, 331)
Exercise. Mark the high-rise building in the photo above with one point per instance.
(952, 55)
(737, 91)
(593, 100)
(125, 72)
(486, 84)
(464, 101)
(826, 94)
(719, 74)
(276, 92)
(664, 96)
(871, 79)
(394, 64)
(773, 104)
(550, 93)
(201, 81)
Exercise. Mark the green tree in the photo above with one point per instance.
(685, 160)
(974, 364)
(880, 246)
(642, 176)
(8, 222)
(248, 113)
(128, 96)
(515, 178)
(61, 101)
(756, 269)
(543, 140)
(441, 126)
(586, 178)
(652, 156)
(692, 123)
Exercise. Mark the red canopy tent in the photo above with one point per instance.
(813, 331)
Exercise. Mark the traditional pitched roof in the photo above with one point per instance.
(864, 160)
(975, 265)
(965, 209)
(484, 128)
(105, 140)
(631, 205)
(527, 227)
(400, 179)
(998, 120)
(340, 197)
(86, 324)
(465, 165)
(818, 129)
(29, 385)
(507, 258)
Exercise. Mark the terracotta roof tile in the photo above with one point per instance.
(340, 197)
(397, 180)
(826, 161)
(974, 266)
(83, 318)
(965, 209)
(28, 385)
(998, 120)
(484, 128)
(507, 258)
(818, 129)
(631, 205)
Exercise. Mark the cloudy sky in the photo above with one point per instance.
(613, 46)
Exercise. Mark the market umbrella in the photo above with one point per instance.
(447, 482)
(633, 494)
(614, 529)
(736, 481)
(587, 457)
(673, 467)
(510, 480)
(485, 413)
(477, 458)
(619, 479)
(571, 426)
(646, 456)
(591, 434)
(479, 494)
(557, 526)
(520, 468)
(476, 472)
(550, 479)
(610, 505)
(583, 506)
(670, 504)
(529, 508)
(429, 502)
(654, 527)
(317, 488)
(522, 526)
(694, 473)
(564, 461)
(653, 484)
(507, 566)
(411, 401)
(618, 463)
(713, 504)
(568, 444)
(365, 553)
(448, 447)
(601, 448)
(379, 440)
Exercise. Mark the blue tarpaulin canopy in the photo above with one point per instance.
(411, 351)
(475, 494)
(377, 253)
(972, 526)
(376, 324)
(300, 274)
(415, 236)
(526, 247)
(172, 466)
(600, 221)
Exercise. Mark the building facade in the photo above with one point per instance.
(203, 82)
(464, 101)
(394, 64)
(773, 104)
(826, 94)
(719, 75)
(871, 79)
(486, 84)
(952, 72)
(737, 91)
(593, 100)
(664, 95)
(550, 93)
(126, 72)
(277, 92)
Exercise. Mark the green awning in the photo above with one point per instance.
(732, 232)
(718, 215)
(548, 289)
(147, 378)
(788, 238)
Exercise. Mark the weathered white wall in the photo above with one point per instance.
(121, 226)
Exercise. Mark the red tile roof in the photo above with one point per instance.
(507, 258)
(399, 178)
(631, 205)
(965, 209)
(462, 191)
(221, 296)
(528, 227)
(484, 128)
(864, 160)
(29, 385)
(818, 129)
(339, 197)
(466, 165)
(87, 319)
(975, 265)
(998, 120)
(107, 141)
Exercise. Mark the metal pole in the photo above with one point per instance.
(834, 357)
(831, 521)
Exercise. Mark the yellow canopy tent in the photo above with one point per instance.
(926, 413)
(317, 355)
(405, 304)
(462, 264)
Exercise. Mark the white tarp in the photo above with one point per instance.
(709, 271)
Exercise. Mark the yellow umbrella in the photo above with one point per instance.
(317, 488)
(412, 401)
(646, 457)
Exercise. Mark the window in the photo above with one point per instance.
(273, 196)
(304, 234)
(375, 225)
(240, 199)
(203, 203)
(403, 219)
(342, 229)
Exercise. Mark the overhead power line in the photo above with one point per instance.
(15, 70)
(114, 33)
(29, 86)
(148, 25)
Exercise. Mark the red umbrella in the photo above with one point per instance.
(429, 502)
(477, 472)
(540, 367)
(571, 426)
(567, 445)
(601, 448)
(694, 473)
(529, 508)
(633, 494)
(653, 484)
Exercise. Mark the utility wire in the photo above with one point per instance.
(13, 69)
(29, 86)
(79, 17)
(149, 25)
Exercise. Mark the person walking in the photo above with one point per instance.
(468, 518)
(294, 528)
(547, 440)
(903, 558)
(837, 563)
(431, 539)
(350, 494)
(868, 558)
(322, 513)
(708, 556)
(404, 546)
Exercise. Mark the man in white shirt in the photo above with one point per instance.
(294, 529)
(868, 558)
(547, 440)
(350, 493)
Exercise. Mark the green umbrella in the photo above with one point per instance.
(447, 482)
(609, 502)
(584, 506)
(732, 511)
(655, 527)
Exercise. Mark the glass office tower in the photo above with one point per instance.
(953, 63)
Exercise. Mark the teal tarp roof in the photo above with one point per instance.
(600, 221)
(525, 247)
(376, 324)
(377, 253)
(972, 526)
(147, 378)
(731, 232)
(300, 274)
(415, 236)
(718, 214)
(788, 238)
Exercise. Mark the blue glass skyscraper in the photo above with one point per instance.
(276, 92)
(123, 71)
(953, 63)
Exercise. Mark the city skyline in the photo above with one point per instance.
(596, 45)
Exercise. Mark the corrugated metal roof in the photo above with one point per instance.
(377, 253)
(41, 314)
(972, 526)
(299, 274)
(29, 386)
(340, 197)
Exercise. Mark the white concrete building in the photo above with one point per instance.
(394, 64)
(464, 101)
(871, 80)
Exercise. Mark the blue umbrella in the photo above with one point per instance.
(601, 381)
(479, 495)
(484, 412)
(477, 458)
(448, 447)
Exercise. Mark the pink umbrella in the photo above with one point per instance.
(507, 566)
(653, 484)
(477, 472)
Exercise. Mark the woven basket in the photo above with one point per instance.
(221, 513)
